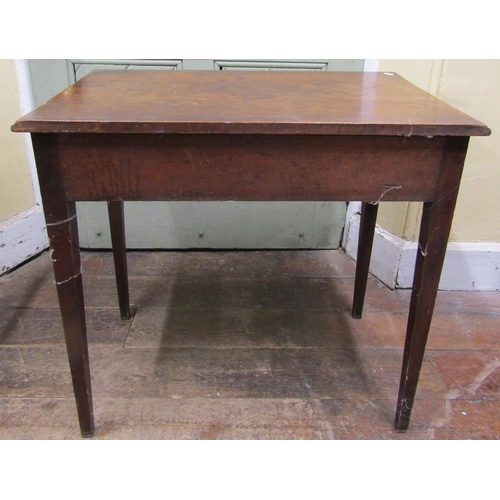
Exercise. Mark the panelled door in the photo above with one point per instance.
(218, 225)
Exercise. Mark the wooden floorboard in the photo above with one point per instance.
(243, 345)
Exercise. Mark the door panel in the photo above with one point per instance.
(219, 225)
(83, 68)
(291, 65)
(227, 224)
(271, 66)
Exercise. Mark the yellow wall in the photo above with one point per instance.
(16, 189)
(472, 86)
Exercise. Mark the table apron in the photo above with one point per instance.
(206, 167)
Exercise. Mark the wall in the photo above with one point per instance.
(473, 254)
(472, 86)
(22, 228)
(16, 189)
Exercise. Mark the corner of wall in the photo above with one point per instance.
(467, 266)
(23, 235)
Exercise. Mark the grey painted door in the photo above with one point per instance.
(218, 225)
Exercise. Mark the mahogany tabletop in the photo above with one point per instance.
(253, 102)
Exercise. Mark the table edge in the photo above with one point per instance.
(408, 130)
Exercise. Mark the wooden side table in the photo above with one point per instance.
(250, 136)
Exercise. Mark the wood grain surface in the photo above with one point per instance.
(243, 345)
(211, 167)
(248, 102)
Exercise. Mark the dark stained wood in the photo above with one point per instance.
(339, 103)
(118, 136)
(365, 244)
(249, 167)
(117, 229)
(435, 227)
(62, 229)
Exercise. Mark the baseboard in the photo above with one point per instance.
(22, 237)
(467, 266)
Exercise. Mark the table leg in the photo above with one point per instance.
(434, 231)
(62, 229)
(365, 244)
(117, 228)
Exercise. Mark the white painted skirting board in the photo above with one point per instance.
(467, 266)
(22, 237)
